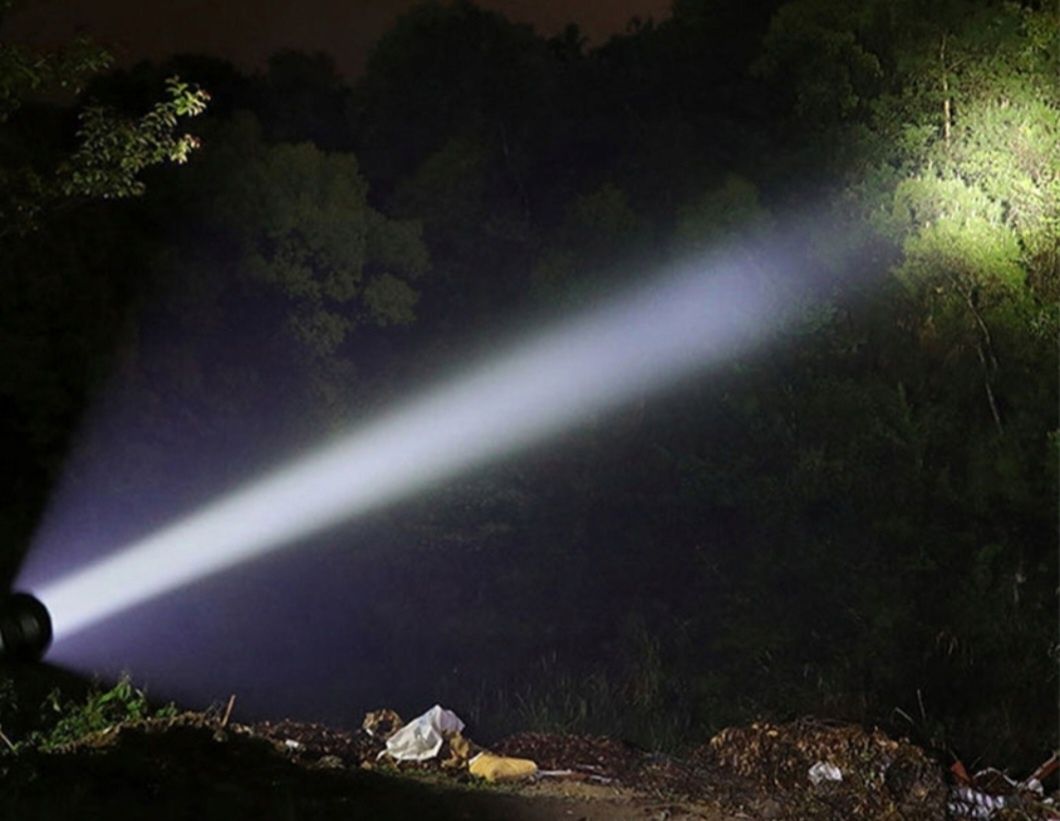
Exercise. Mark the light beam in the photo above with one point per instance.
(635, 343)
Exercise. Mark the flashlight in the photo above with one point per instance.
(25, 628)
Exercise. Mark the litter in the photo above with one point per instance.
(501, 768)
(381, 723)
(823, 771)
(968, 803)
(422, 738)
(460, 750)
(575, 775)
(990, 791)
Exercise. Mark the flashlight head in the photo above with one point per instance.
(25, 628)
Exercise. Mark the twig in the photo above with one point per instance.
(228, 710)
(1047, 769)
(8, 742)
(984, 349)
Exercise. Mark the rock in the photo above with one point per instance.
(769, 809)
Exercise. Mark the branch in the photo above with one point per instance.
(987, 358)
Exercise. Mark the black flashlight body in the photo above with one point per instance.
(25, 628)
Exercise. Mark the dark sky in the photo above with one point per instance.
(247, 31)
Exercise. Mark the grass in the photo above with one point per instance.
(64, 721)
(635, 701)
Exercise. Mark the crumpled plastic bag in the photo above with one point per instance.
(422, 738)
(824, 771)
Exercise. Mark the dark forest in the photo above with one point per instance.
(206, 270)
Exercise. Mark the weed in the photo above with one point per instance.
(68, 721)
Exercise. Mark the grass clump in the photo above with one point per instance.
(64, 721)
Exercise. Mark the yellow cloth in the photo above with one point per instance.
(498, 768)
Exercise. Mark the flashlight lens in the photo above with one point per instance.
(25, 628)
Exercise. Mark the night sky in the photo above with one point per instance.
(248, 31)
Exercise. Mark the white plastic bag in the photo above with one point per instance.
(823, 771)
(422, 737)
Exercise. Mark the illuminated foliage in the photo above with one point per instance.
(112, 149)
(950, 148)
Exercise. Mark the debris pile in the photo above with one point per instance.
(828, 770)
(436, 738)
(309, 743)
(803, 769)
(990, 794)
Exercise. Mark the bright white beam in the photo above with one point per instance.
(627, 346)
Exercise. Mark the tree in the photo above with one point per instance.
(596, 241)
(282, 236)
(940, 126)
(261, 281)
(453, 117)
(978, 215)
(60, 315)
(302, 97)
(112, 150)
(459, 71)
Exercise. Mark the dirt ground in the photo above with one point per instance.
(188, 768)
(191, 766)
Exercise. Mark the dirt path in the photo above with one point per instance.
(591, 803)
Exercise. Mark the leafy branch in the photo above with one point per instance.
(112, 149)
